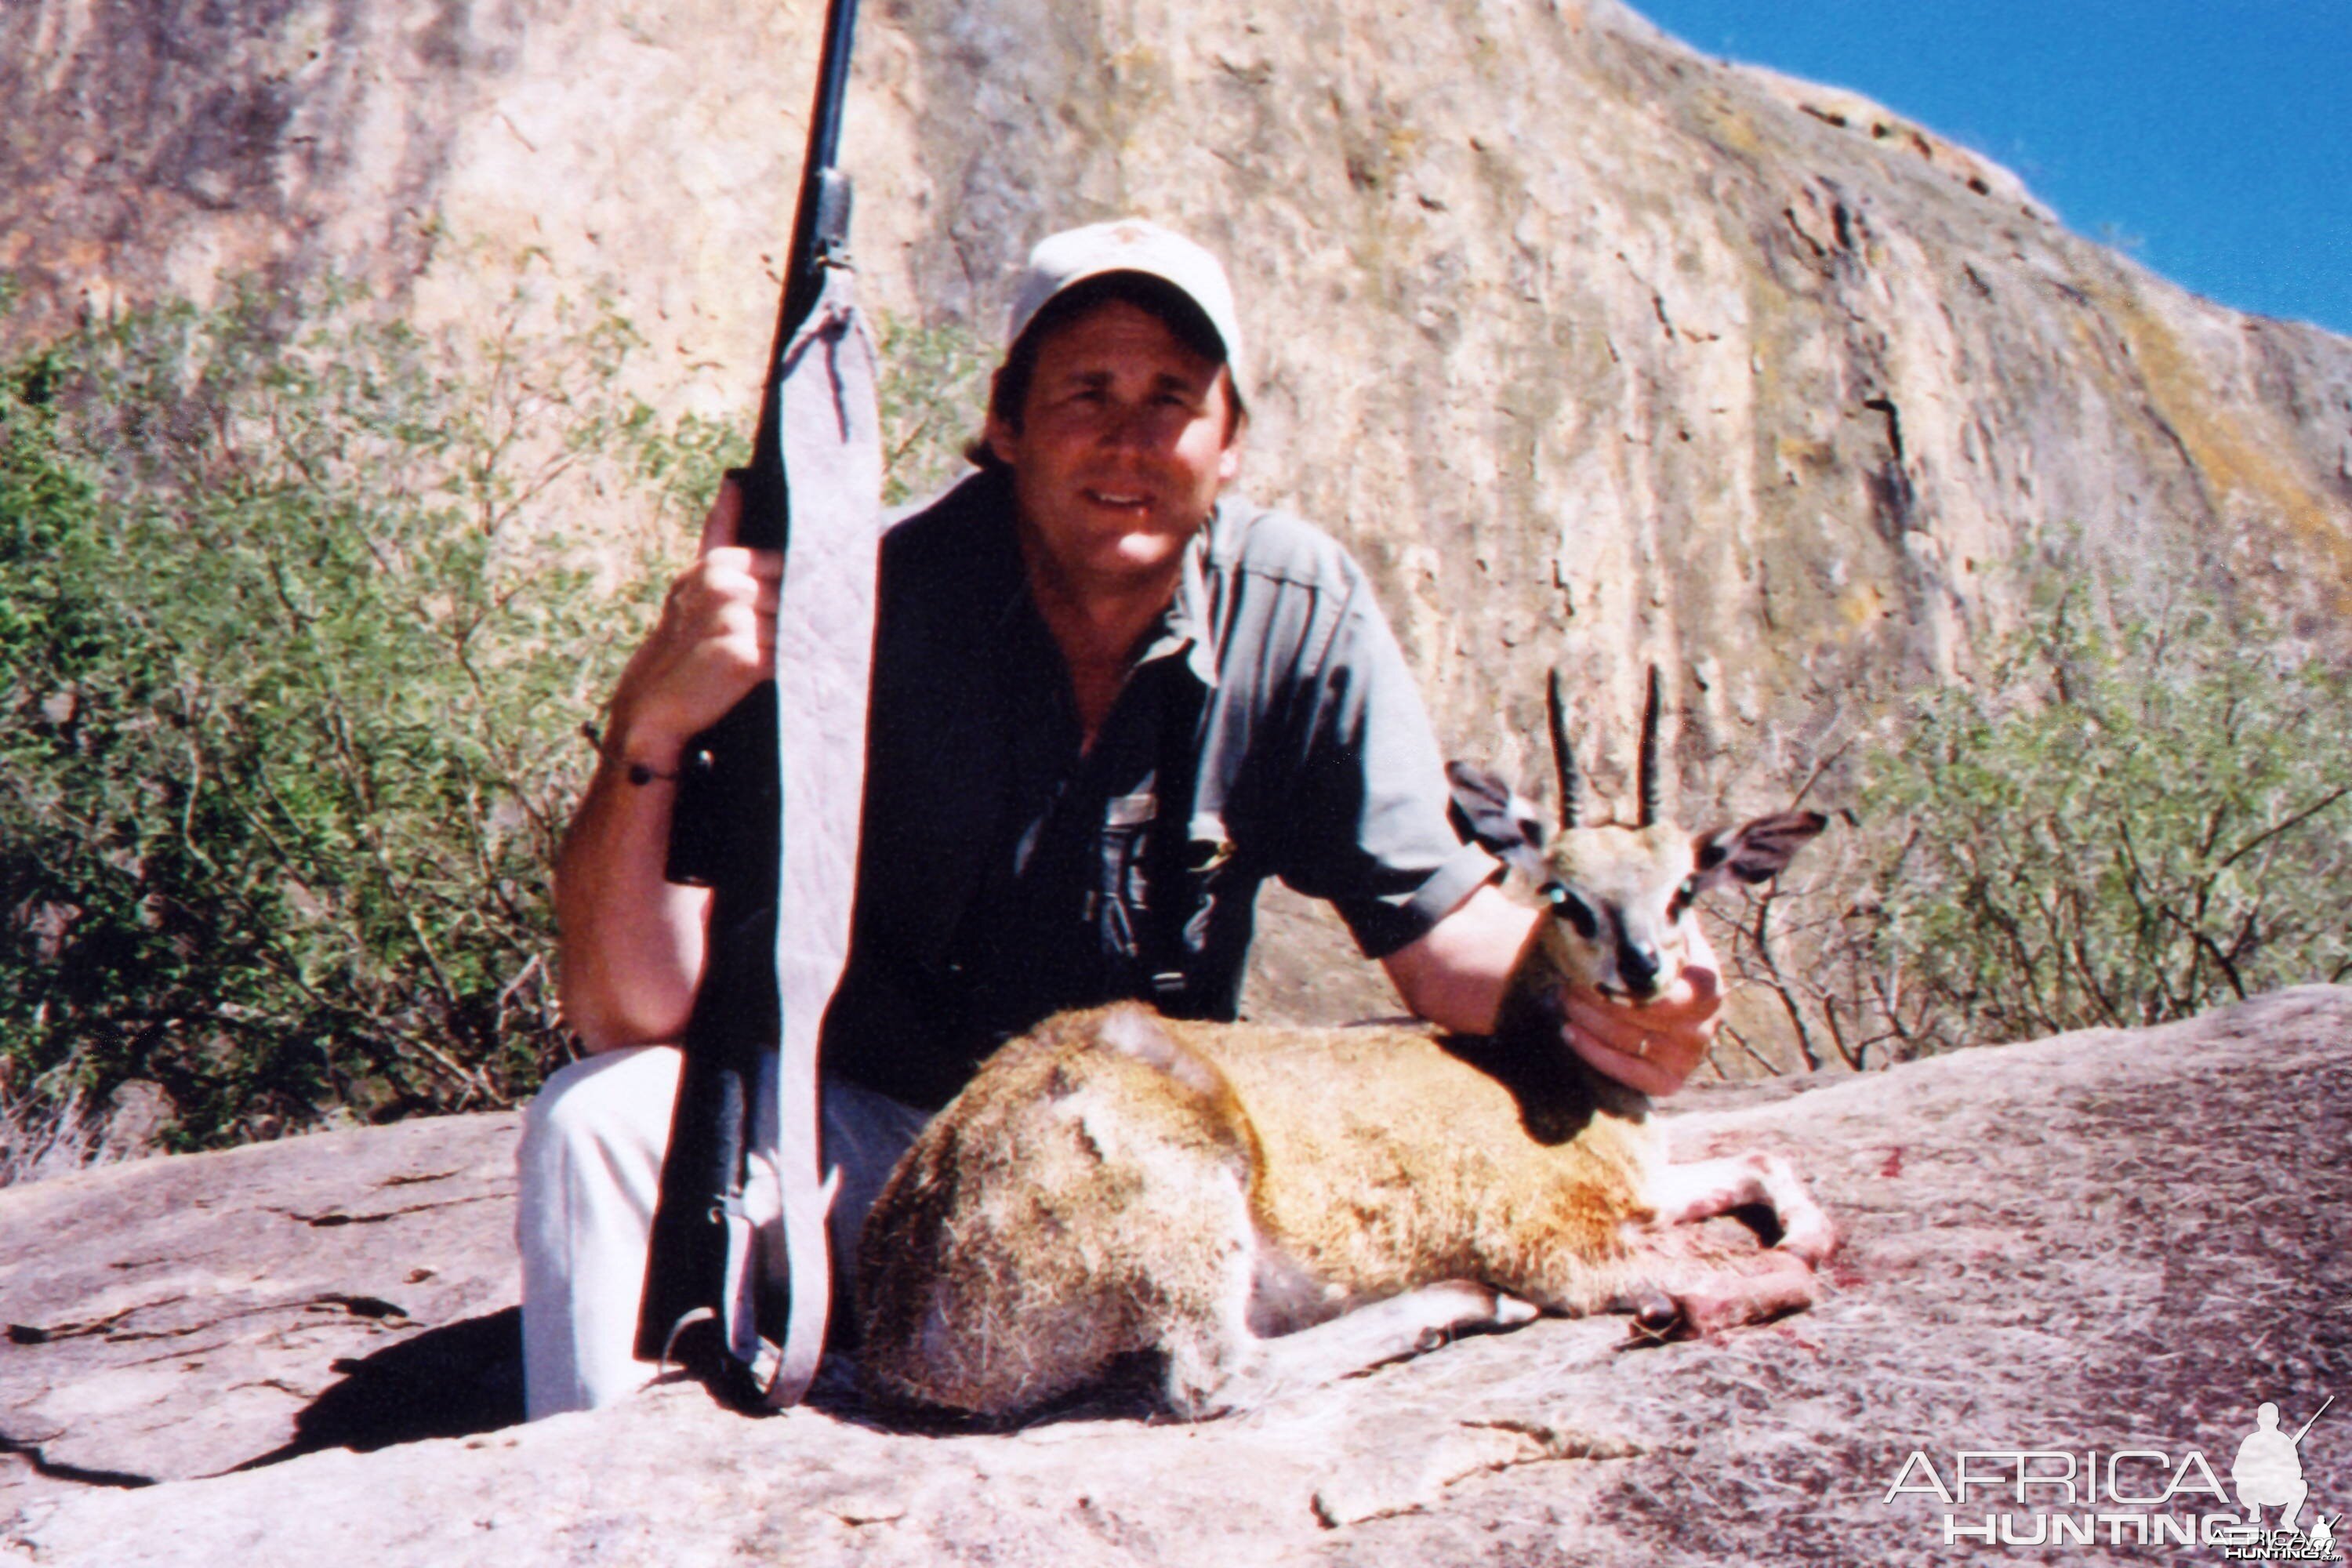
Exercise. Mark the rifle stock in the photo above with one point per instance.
(725, 829)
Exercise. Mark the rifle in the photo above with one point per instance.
(725, 835)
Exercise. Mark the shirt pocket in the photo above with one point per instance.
(1121, 901)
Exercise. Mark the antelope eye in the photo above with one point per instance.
(1567, 905)
(1685, 895)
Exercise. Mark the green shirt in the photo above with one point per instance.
(1269, 727)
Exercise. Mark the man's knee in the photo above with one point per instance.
(617, 1102)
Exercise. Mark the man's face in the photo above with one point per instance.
(1122, 447)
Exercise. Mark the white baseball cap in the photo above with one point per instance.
(1129, 244)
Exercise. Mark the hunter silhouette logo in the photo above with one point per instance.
(2268, 1469)
(2051, 1495)
(2268, 1473)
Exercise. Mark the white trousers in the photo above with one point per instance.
(590, 1174)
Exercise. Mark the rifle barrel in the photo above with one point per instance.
(820, 237)
(727, 811)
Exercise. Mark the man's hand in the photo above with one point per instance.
(631, 942)
(1456, 975)
(1655, 1046)
(716, 640)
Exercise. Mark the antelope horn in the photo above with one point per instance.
(1563, 761)
(1650, 754)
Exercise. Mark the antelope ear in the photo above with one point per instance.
(1753, 851)
(1488, 812)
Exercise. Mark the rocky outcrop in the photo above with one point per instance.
(1598, 352)
(1595, 351)
(1598, 348)
(2093, 1243)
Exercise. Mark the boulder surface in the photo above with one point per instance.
(1595, 350)
(2103, 1242)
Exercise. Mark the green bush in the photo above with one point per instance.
(933, 392)
(299, 620)
(294, 641)
(2115, 826)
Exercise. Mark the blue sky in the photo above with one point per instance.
(2208, 139)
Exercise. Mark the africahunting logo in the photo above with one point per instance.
(2146, 1496)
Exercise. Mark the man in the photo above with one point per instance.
(1109, 700)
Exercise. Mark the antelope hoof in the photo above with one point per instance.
(1464, 1306)
(1510, 1312)
(1809, 1236)
(1656, 1317)
(1749, 1297)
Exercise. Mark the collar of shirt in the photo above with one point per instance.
(1188, 626)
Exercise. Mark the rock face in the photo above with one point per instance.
(1597, 351)
(2102, 1242)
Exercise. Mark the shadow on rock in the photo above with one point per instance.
(451, 1382)
(1127, 1390)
